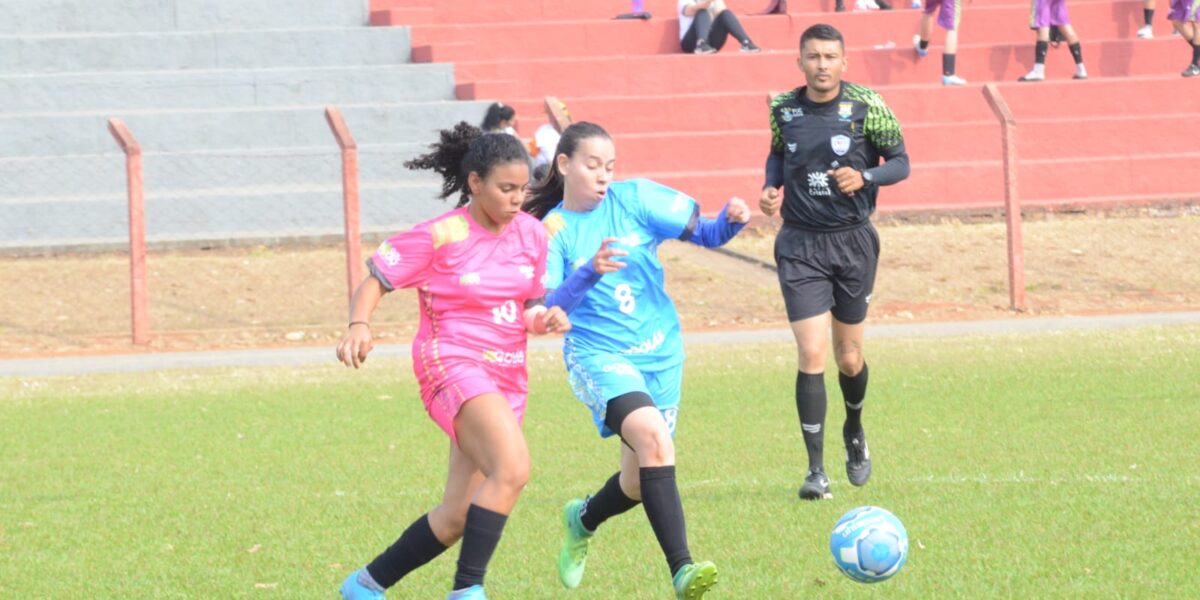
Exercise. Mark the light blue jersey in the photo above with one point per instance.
(627, 312)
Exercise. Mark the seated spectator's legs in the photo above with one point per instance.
(700, 29)
(725, 25)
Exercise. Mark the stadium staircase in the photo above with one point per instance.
(1128, 135)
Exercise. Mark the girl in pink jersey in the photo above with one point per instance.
(478, 274)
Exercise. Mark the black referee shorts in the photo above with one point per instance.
(820, 271)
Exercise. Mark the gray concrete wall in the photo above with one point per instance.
(56, 16)
(187, 130)
(199, 89)
(204, 50)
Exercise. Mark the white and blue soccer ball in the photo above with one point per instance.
(869, 544)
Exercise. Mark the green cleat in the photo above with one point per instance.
(694, 580)
(573, 557)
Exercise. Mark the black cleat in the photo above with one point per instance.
(816, 486)
(858, 458)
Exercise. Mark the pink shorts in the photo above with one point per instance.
(456, 382)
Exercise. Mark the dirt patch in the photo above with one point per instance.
(259, 297)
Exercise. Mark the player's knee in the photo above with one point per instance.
(656, 448)
(850, 362)
(512, 474)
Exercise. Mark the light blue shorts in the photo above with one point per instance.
(598, 378)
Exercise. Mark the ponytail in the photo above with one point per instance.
(465, 150)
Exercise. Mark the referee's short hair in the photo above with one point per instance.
(821, 31)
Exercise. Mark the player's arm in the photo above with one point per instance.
(771, 198)
(401, 261)
(570, 293)
(540, 319)
(712, 233)
(882, 131)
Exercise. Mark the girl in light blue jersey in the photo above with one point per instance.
(624, 355)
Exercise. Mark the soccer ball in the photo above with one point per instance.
(869, 544)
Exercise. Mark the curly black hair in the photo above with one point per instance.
(463, 150)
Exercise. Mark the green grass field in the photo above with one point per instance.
(1056, 465)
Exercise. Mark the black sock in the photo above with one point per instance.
(480, 537)
(609, 502)
(810, 404)
(854, 390)
(1196, 54)
(947, 64)
(924, 44)
(1039, 52)
(1076, 52)
(416, 546)
(660, 499)
(1148, 15)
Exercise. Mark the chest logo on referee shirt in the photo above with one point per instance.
(788, 113)
(818, 184)
(840, 144)
(845, 110)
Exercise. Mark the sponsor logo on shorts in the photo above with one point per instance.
(620, 368)
(504, 358)
(389, 254)
(469, 279)
(840, 144)
(868, 299)
(647, 346)
(818, 184)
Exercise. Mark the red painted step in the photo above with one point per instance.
(988, 25)
(624, 75)
(977, 184)
(913, 105)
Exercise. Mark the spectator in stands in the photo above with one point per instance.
(500, 119)
(705, 24)
(1044, 15)
(545, 139)
(1146, 32)
(949, 14)
(1185, 16)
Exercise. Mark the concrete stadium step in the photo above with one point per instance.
(661, 74)
(25, 16)
(55, 178)
(98, 92)
(204, 50)
(266, 213)
(182, 130)
(986, 25)
(978, 184)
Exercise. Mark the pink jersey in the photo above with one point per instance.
(473, 285)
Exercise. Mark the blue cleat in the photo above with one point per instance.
(353, 590)
(474, 592)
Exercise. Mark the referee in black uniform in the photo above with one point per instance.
(823, 173)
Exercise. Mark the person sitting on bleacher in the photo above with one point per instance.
(500, 119)
(705, 24)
